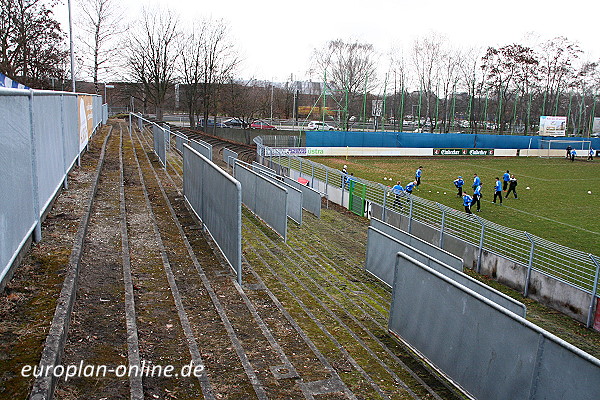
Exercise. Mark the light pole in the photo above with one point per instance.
(107, 87)
(71, 48)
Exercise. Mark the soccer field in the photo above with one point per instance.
(556, 207)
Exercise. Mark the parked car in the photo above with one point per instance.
(211, 124)
(319, 126)
(234, 123)
(259, 124)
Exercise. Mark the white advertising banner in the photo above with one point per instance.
(553, 126)
(596, 126)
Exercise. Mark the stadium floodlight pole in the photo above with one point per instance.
(324, 96)
(529, 109)
(71, 48)
(514, 120)
(402, 108)
(569, 112)
(592, 115)
(365, 99)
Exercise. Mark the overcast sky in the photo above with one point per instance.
(277, 38)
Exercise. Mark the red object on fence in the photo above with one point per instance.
(303, 181)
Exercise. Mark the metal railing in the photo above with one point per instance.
(573, 267)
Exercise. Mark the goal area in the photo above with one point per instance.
(558, 148)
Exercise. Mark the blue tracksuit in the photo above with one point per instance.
(498, 191)
(476, 182)
(467, 203)
(418, 176)
(505, 178)
(477, 197)
(409, 187)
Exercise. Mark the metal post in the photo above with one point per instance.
(410, 212)
(479, 256)
(130, 123)
(37, 231)
(441, 242)
(383, 211)
(529, 265)
(326, 182)
(312, 180)
(300, 167)
(594, 290)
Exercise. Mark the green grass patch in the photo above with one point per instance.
(556, 207)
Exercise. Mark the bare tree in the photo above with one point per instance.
(152, 55)
(208, 59)
(351, 69)
(426, 61)
(556, 67)
(32, 45)
(101, 21)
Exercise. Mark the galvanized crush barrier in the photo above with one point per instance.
(264, 198)
(418, 243)
(381, 263)
(160, 148)
(294, 198)
(229, 156)
(202, 147)
(216, 198)
(573, 267)
(179, 141)
(40, 140)
(311, 198)
(488, 351)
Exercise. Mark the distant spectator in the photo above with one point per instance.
(498, 190)
(418, 176)
(476, 181)
(459, 183)
(505, 178)
(573, 155)
(344, 175)
(591, 154)
(467, 200)
(410, 186)
(512, 186)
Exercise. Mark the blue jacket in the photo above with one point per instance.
(476, 181)
(498, 187)
(506, 177)
(467, 200)
(397, 189)
(477, 191)
(410, 187)
(418, 173)
(459, 183)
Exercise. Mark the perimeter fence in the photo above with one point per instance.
(42, 134)
(572, 267)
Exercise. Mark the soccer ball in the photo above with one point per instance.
(527, 188)
(589, 192)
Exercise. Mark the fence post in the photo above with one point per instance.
(529, 265)
(312, 179)
(37, 231)
(300, 167)
(481, 237)
(327, 182)
(130, 122)
(594, 289)
(410, 212)
(383, 210)
(441, 242)
(65, 183)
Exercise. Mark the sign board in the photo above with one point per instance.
(596, 125)
(553, 126)
(463, 152)
(86, 119)
(377, 108)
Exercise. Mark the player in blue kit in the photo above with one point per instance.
(498, 190)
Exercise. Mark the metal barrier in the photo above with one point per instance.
(381, 263)
(311, 198)
(574, 268)
(264, 198)
(488, 351)
(294, 198)
(159, 139)
(201, 147)
(229, 156)
(41, 136)
(436, 252)
(216, 198)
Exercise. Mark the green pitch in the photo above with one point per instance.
(556, 207)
